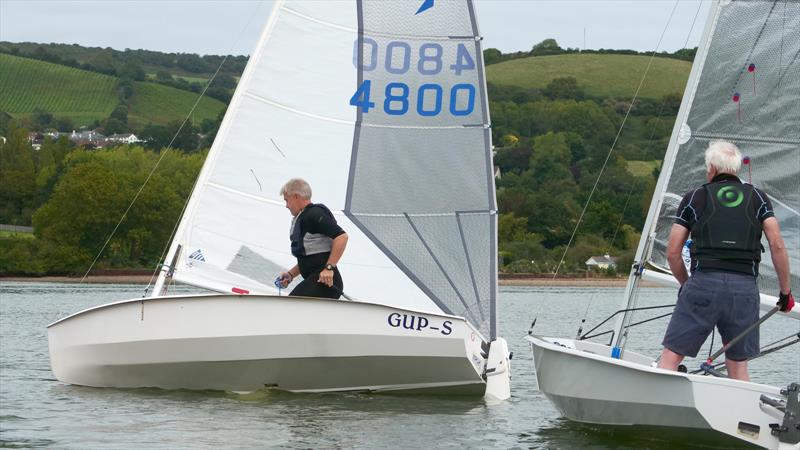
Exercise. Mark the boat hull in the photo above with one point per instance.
(246, 343)
(587, 386)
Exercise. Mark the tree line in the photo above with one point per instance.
(550, 47)
(74, 198)
(551, 148)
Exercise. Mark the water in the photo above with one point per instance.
(38, 411)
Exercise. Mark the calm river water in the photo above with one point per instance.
(38, 411)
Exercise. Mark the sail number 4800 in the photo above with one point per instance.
(396, 99)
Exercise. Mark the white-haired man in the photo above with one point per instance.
(726, 219)
(317, 242)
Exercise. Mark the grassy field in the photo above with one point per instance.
(161, 104)
(599, 75)
(643, 168)
(15, 235)
(27, 84)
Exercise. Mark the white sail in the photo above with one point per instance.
(744, 88)
(381, 106)
(747, 92)
(626, 388)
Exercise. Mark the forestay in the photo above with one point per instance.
(381, 106)
(747, 92)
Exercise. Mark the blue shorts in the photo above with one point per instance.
(729, 301)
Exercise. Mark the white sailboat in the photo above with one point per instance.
(744, 87)
(381, 106)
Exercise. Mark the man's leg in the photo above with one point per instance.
(669, 360)
(737, 369)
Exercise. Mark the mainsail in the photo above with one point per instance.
(747, 92)
(744, 88)
(381, 106)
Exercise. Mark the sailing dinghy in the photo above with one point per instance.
(382, 107)
(744, 87)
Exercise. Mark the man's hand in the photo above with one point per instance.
(284, 279)
(326, 277)
(786, 301)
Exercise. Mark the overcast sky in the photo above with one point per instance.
(233, 26)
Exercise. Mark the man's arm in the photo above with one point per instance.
(777, 249)
(677, 238)
(337, 250)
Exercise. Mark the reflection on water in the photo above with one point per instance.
(38, 411)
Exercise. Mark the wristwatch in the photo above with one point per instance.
(330, 266)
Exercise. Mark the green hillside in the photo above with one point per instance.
(83, 96)
(27, 84)
(606, 75)
(161, 104)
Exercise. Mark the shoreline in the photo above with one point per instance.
(504, 280)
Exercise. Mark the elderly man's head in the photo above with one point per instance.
(297, 195)
(722, 157)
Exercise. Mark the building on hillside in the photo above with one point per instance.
(36, 140)
(88, 139)
(604, 262)
(124, 138)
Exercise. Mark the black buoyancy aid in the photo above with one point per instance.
(728, 230)
(298, 233)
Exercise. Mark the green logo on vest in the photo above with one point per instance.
(730, 196)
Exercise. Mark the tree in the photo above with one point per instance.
(64, 124)
(41, 119)
(17, 177)
(131, 70)
(163, 75)
(114, 126)
(491, 56)
(566, 87)
(120, 113)
(551, 160)
(546, 47)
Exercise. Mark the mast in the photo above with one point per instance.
(173, 255)
(648, 232)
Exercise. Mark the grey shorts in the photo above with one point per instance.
(728, 301)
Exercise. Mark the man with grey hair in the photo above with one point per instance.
(317, 242)
(726, 219)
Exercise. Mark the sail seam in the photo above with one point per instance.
(383, 35)
(740, 138)
(446, 214)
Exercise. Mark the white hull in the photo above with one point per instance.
(588, 386)
(245, 343)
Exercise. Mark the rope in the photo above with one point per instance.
(169, 147)
(616, 138)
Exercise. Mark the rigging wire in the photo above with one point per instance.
(161, 258)
(616, 138)
(161, 157)
(634, 301)
(649, 142)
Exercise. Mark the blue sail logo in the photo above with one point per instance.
(197, 255)
(426, 5)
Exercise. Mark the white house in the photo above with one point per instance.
(125, 138)
(601, 262)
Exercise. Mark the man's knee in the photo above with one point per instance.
(669, 359)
